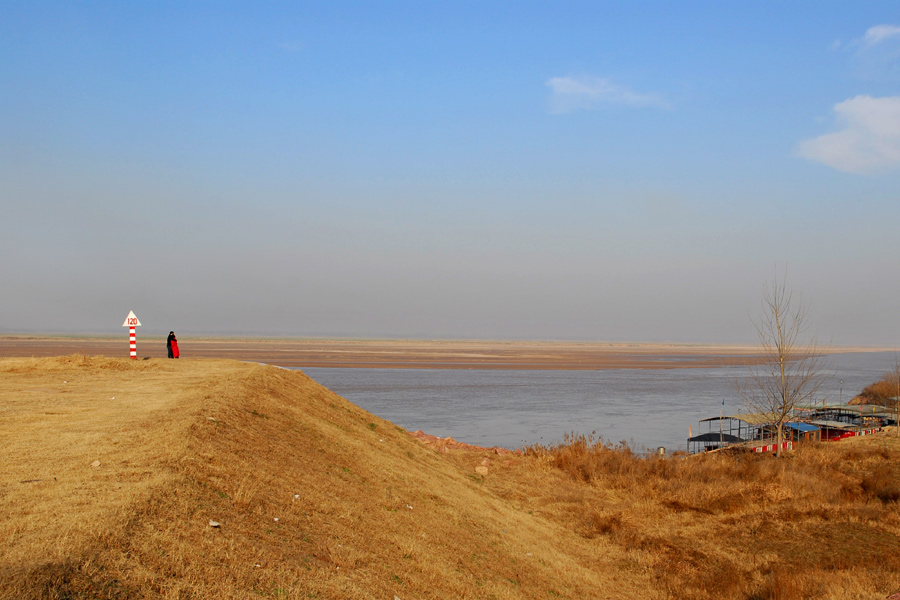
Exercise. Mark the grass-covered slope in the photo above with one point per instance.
(114, 470)
(314, 497)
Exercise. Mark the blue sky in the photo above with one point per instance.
(622, 171)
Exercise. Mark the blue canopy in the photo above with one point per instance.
(801, 427)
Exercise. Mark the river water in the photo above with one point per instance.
(646, 408)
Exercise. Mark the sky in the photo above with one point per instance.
(607, 171)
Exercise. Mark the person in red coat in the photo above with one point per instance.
(172, 345)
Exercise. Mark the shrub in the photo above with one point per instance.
(880, 392)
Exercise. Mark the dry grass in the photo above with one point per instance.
(822, 523)
(318, 499)
(315, 497)
(881, 392)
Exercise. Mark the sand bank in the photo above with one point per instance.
(406, 354)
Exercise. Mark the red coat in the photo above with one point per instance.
(174, 348)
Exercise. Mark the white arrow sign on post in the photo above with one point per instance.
(131, 321)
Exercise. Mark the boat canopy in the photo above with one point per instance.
(749, 418)
(801, 427)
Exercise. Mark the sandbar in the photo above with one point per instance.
(405, 354)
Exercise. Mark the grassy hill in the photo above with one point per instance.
(222, 479)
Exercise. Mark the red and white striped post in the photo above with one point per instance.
(131, 322)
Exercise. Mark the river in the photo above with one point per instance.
(646, 408)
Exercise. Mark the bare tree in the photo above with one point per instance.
(893, 379)
(790, 373)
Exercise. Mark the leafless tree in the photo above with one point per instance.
(893, 379)
(791, 371)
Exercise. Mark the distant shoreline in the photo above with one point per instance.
(407, 354)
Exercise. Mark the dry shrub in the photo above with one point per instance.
(784, 583)
(690, 578)
(716, 483)
(880, 392)
(728, 503)
(597, 522)
(680, 506)
(881, 484)
(891, 494)
(587, 459)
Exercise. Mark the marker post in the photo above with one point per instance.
(131, 321)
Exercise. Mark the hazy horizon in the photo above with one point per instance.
(147, 335)
(591, 172)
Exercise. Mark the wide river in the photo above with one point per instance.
(646, 408)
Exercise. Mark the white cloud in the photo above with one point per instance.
(869, 141)
(879, 33)
(588, 93)
(877, 54)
